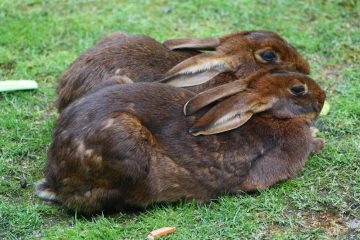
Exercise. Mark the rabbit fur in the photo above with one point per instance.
(177, 62)
(129, 144)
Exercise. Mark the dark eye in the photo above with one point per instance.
(268, 56)
(298, 90)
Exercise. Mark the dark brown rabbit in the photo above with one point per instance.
(129, 144)
(143, 59)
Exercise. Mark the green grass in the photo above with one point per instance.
(39, 39)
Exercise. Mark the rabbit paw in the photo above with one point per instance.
(314, 131)
(318, 145)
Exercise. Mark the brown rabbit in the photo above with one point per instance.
(128, 145)
(143, 59)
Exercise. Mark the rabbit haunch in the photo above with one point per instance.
(128, 145)
(143, 59)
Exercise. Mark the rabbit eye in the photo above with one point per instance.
(268, 56)
(298, 90)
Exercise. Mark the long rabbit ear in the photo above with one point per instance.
(207, 97)
(231, 113)
(200, 69)
(192, 43)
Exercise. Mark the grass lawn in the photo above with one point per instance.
(40, 38)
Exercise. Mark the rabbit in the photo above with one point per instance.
(128, 146)
(177, 62)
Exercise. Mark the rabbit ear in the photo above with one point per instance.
(192, 43)
(199, 69)
(231, 113)
(205, 98)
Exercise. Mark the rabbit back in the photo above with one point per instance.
(139, 57)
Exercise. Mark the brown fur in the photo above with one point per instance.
(143, 59)
(128, 145)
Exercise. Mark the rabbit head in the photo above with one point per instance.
(240, 53)
(278, 93)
